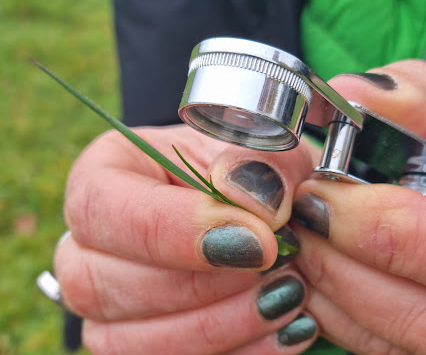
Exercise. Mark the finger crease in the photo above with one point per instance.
(96, 290)
(206, 321)
(407, 326)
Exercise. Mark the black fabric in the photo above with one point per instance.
(155, 40)
(72, 331)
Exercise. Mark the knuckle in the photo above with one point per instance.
(80, 208)
(372, 344)
(207, 322)
(143, 227)
(147, 231)
(192, 288)
(385, 245)
(203, 288)
(397, 240)
(317, 269)
(409, 326)
(79, 290)
(98, 339)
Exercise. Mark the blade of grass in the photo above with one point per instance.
(283, 247)
(209, 184)
(128, 133)
(221, 195)
(196, 173)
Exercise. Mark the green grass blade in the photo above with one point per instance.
(133, 137)
(222, 196)
(285, 248)
(219, 196)
(190, 167)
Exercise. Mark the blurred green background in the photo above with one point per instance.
(42, 130)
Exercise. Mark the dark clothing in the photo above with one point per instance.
(155, 40)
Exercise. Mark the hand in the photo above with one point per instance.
(107, 267)
(368, 276)
(155, 266)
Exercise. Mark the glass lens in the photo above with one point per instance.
(239, 120)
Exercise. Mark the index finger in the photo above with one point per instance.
(121, 202)
(381, 225)
(141, 216)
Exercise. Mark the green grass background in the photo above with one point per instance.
(42, 130)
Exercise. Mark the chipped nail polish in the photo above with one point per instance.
(258, 180)
(313, 213)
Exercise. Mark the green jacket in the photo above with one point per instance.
(346, 36)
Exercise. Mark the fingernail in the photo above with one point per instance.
(382, 81)
(288, 236)
(233, 246)
(312, 213)
(301, 329)
(280, 297)
(258, 180)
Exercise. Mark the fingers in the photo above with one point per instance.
(167, 225)
(134, 212)
(380, 225)
(112, 207)
(391, 307)
(343, 331)
(216, 328)
(104, 287)
(396, 91)
(293, 338)
(262, 182)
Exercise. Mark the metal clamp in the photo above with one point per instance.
(258, 96)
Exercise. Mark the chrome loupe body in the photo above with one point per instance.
(258, 96)
(237, 92)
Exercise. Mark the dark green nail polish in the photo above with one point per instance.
(280, 297)
(301, 329)
(234, 246)
(382, 81)
(313, 213)
(288, 236)
(258, 180)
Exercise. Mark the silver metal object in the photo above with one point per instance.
(252, 94)
(414, 175)
(258, 96)
(381, 146)
(47, 282)
(49, 286)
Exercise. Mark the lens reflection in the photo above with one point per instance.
(239, 120)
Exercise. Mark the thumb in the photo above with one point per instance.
(396, 91)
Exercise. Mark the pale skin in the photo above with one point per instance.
(134, 267)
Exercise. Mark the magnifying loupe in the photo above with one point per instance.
(258, 96)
